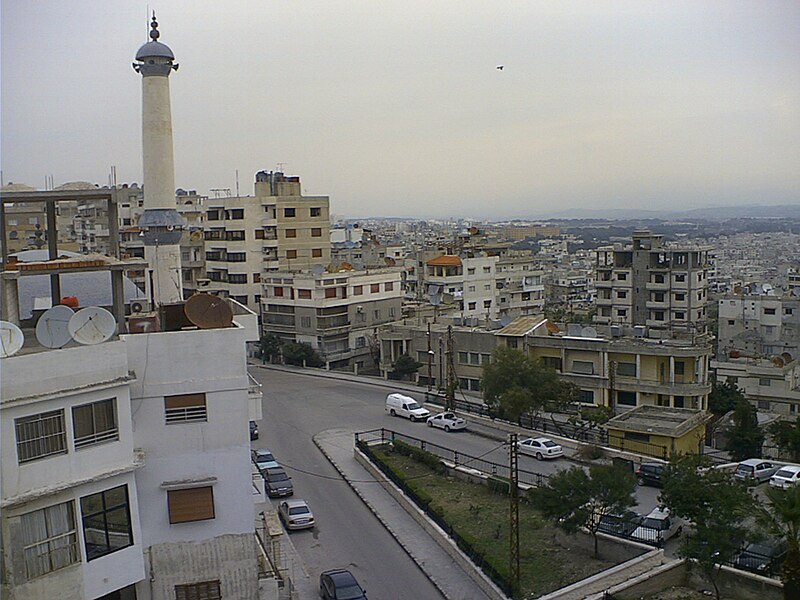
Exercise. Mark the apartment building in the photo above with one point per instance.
(771, 385)
(24, 227)
(278, 229)
(650, 284)
(520, 286)
(568, 289)
(759, 326)
(336, 313)
(610, 368)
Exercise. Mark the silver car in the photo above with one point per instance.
(295, 514)
(447, 421)
(541, 448)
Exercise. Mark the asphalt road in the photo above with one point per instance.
(298, 406)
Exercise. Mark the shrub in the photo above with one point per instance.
(590, 452)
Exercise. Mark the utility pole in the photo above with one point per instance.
(430, 357)
(612, 376)
(513, 517)
(452, 382)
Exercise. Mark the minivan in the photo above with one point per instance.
(755, 470)
(399, 405)
(650, 474)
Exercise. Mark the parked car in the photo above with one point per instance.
(264, 459)
(295, 514)
(541, 448)
(619, 525)
(764, 557)
(340, 584)
(253, 431)
(651, 474)
(657, 527)
(786, 477)
(447, 421)
(399, 405)
(755, 470)
(277, 482)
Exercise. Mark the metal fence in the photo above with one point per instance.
(459, 459)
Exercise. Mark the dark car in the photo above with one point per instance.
(253, 431)
(651, 474)
(764, 557)
(277, 483)
(340, 584)
(619, 525)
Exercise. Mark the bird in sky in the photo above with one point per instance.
(499, 67)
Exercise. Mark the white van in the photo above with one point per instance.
(399, 405)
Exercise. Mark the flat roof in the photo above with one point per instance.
(661, 420)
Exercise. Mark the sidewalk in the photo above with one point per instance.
(445, 573)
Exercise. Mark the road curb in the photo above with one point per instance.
(382, 521)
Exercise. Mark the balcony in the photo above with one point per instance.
(657, 305)
(254, 389)
(657, 287)
(604, 283)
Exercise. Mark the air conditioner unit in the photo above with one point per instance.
(616, 331)
(201, 283)
(140, 306)
(640, 331)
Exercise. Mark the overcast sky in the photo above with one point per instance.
(398, 109)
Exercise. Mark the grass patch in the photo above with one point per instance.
(549, 559)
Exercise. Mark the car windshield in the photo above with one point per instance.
(299, 510)
(652, 523)
(744, 470)
(412, 406)
(265, 457)
(550, 444)
(785, 473)
(348, 592)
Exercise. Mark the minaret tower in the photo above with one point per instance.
(160, 223)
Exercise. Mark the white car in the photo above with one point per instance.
(657, 527)
(541, 448)
(295, 514)
(447, 421)
(786, 477)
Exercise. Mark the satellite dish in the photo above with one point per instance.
(196, 236)
(52, 329)
(11, 339)
(778, 361)
(552, 327)
(92, 325)
(208, 312)
(589, 332)
(787, 358)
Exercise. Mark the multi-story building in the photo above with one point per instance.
(612, 368)
(336, 313)
(24, 227)
(759, 326)
(568, 289)
(278, 229)
(650, 284)
(771, 385)
(520, 286)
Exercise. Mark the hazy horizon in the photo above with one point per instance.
(400, 109)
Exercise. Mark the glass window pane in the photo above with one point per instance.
(82, 420)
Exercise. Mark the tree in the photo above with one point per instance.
(723, 397)
(301, 354)
(786, 435)
(716, 504)
(745, 437)
(513, 384)
(574, 498)
(405, 365)
(270, 347)
(782, 518)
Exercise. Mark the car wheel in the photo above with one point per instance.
(391, 412)
(679, 530)
(447, 428)
(430, 424)
(413, 419)
(640, 480)
(539, 456)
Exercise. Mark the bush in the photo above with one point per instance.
(296, 354)
(590, 452)
(421, 456)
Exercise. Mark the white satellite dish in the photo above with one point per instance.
(11, 339)
(92, 325)
(52, 329)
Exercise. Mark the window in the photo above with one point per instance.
(316, 253)
(471, 271)
(472, 306)
(291, 233)
(304, 294)
(277, 291)
(185, 408)
(769, 311)
(374, 288)
(94, 423)
(586, 396)
(622, 294)
(291, 254)
(40, 435)
(392, 311)
(236, 257)
(358, 290)
(259, 234)
(680, 316)
(237, 213)
(487, 304)
(765, 382)
(330, 292)
(206, 590)
(552, 362)
(315, 212)
(305, 322)
(471, 288)
(583, 366)
(731, 322)
(236, 236)
(487, 269)
(361, 341)
(377, 315)
(106, 522)
(680, 367)
(191, 504)
(627, 399)
(237, 277)
(635, 436)
(658, 315)
(316, 232)
(49, 539)
(626, 369)
(680, 278)
(680, 297)
(622, 276)
(289, 213)
(256, 277)
(388, 287)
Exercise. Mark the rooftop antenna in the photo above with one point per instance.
(281, 167)
(237, 183)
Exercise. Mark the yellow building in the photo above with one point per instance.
(658, 431)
